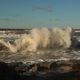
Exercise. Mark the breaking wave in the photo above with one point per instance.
(41, 38)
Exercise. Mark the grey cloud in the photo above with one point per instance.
(42, 8)
(7, 20)
(57, 19)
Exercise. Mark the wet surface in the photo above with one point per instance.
(41, 55)
(58, 70)
(55, 64)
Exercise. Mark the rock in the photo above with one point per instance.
(7, 73)
(58, 70)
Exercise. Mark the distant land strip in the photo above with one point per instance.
(13, 29)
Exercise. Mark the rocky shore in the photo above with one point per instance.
(58, 70)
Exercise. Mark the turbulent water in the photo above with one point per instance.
(39, 45)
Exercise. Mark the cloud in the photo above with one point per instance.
(57, 19)
(42, 8)
(54, 20)
(7, 20)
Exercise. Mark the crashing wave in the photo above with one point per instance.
(41, 38)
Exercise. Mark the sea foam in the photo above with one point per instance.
(41, 38)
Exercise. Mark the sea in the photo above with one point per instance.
(40, 55)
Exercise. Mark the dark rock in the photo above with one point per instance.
(75, 43)
(58, 70)
(7, 73)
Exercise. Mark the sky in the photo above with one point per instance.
(39, 13)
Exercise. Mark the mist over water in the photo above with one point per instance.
(40, 43)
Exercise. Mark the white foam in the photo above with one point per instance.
(41, 38)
